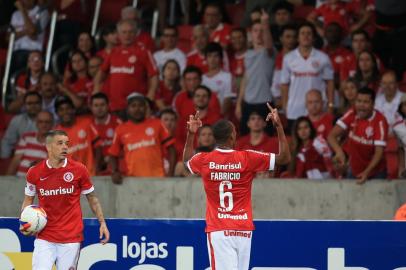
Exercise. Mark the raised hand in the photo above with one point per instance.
(273, 116)
(194, 123)
(264, 16)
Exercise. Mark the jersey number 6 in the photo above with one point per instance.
(227, 194)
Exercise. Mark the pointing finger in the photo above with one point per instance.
(269, 106)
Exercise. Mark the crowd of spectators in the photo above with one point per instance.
(124, 98)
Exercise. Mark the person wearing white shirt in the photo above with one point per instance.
(218, 80)
(29, 22)
(169, 50)
(303, 69)
(388, 100)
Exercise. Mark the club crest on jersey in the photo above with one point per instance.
(369, 131)
(82, 134)
(132, 59)
(149, 131)
(68, 177)
(110, 133)
(315, 64)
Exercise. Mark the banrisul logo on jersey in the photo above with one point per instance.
(181, 245)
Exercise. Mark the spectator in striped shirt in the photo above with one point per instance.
(31, 146)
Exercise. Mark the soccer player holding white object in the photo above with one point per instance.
(59, 182)
(227, 176)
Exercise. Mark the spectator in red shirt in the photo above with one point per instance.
(183, 100)
(322, 121)
(169, 120)
(201, 101)
(367, 74)
(219, 31)
(105, 124)
(257, 139)
(169, 85)
(367, 131)
(130, 13)
(109, 40)
(334, 49)
(200, 40)
(131, 69)
(336, 11)
(311, 152)
(78, 84)
(238, 48)
(28, 80)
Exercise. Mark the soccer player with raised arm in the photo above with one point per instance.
(227, 176)
(59, 181)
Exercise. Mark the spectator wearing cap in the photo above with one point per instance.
(169, 50)
(21, 123)
(130, 69)
(366, 130)
(84, 143)
(142, 140)
(256, 83)
(388, 100)
(31, 146)
(282, 16)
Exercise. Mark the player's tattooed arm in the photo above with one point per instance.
(94, 204)
(193, 126)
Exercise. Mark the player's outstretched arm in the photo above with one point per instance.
(97, 210)
(193, 126)
(284, 153)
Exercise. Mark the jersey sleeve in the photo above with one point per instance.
(381, 133)
(345, 121)
(115, 147)
(285, 72)
(195, 163)
(150, 64)
(166, 138)
(86, 185)
(259, 161)
(30, 186)
(321, 147)
(105, 67)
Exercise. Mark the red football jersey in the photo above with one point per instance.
(337, 57)
(237, 67)
(59, 191)
(194, 58)
(106, 131)
(221, 34)
(267, 144)
(363, 136)
(227, 177)
(324, 125)
(338, 14)
(146, 40)
(129, 70)
(165, 94)
(183, 104)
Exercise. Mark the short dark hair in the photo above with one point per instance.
(288, 27)
(47, 73)
(361, 32)
(367, 91)
(282, 5)
(241, 30)
(214, 47)
(222, 131)
(310, 25)
(204, 88)
(32, 93)
(63, 100)
(99, 95)
(172, 27)
(108, 29)
(203, 127)
(168, 111)
(54, 132)
(192, 69)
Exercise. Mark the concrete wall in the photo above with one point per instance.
(272, 199)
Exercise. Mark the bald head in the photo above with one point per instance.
(44, 122)
(129, 13)
(314, 102)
